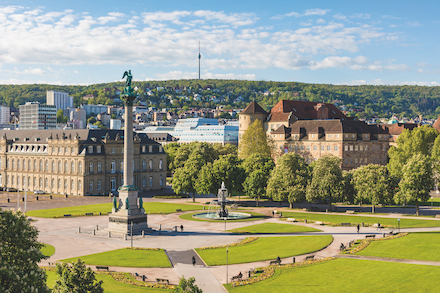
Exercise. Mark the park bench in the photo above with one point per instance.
(370, 236)
(391, 233)
(237, 277)
(158, 281)
(178, 210)
(89, 214)
(345, 224)
(102, 268)
(68, 215)
(310, 257)
(291, 219)
(275, 262)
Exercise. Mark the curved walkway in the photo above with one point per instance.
(63, 234)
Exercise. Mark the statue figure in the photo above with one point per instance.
(118, 137)
(141, 203)
(107, 136)
(127, 81)
(127, 205)
(115, 203)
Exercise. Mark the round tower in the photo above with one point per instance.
(248, 115)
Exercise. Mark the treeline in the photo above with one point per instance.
(363, 101)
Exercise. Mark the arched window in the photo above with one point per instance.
(13, 181)
(72, 185)
(91, 167)
(72, 167)
(79, 185)
(30, 165)
(41, 183)
(53, 166)
(13, 165)
(46, 183)
(160, 165)
(144, 182)
(18, 164)
(35, 165)
(113, 166)
(59, 167)
(53, 183)
(80, 168)
(59, 183)
(122, 166)
(161, 181)
(151, 165)
(113, 184)
(46, 167)
(18, 181)
(65, 166)
(151, 181)
(91, 185)
(144, 165)
(98, 167)
(41, 165)
(35, 182)
(98, 185)
(65, 184)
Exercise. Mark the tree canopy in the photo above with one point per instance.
(19, 255)
(76, 278)
(254, 141)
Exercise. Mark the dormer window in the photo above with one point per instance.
(90, 149)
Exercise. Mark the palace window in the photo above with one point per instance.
(113, 166)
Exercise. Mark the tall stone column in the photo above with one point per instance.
(127, 212)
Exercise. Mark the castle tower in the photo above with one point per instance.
(248, 115)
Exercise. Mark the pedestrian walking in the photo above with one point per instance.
(193, 260)
(181, 228)
(378, 226)
(358, 228)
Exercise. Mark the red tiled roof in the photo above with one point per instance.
(303, 110)
(436, 124)
(398, 128)
(253, 108)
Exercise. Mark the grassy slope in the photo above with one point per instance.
(273, 228)
(127, 258)
(349, 275)
(265, 248)
(104, 208)
(404, 223)
(422, 246)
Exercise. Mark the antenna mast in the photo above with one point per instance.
(199, 59)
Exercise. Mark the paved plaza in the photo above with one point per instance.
(63, 235)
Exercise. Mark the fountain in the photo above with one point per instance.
(217, 209)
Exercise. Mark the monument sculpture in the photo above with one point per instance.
(121, 219)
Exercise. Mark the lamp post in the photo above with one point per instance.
(432, 201)
(227, 265)
(398, 224)
(131, 232)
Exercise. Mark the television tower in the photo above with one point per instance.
(199, 59)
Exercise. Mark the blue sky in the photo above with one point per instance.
(335, 42)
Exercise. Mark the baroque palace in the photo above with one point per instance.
(314, 130)
(77, 162)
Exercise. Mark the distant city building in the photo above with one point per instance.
(78, 118)
(59, 99)
(5, 115)
(205, 130)
(95, 109)
(33, 115)
(115, 124)
(104, 117)
(77, 162)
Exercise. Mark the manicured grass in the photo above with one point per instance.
(109, 284)
(48, 250)
(104, 208)
(255, 217)
(274, 228)
(421, 246)
(265, 248)
(348, 275)
(332, 218)
(127, 258)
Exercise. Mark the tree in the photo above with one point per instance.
(254, 140)
(420, 140)
(187, 286)
(60, 116)
(185, 178)
(372, 183)
(19, 255)
(171, 151)
(288, 180)
(416, 181)
(76, 278)
(255, 185)
(327, 181)
(185, 150)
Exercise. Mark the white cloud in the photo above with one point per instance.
(335, 61)
(396, 82)
(306, 13)
(361, 15)
(175, 75)
(320, 21)
(413, 24)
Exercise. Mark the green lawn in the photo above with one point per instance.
(332, 218)
(110, 285)
(348, 275)
(255, 217)
(421, 246)
(127, 258)
(274, 228)
(48, 250)
(265, 248)
(104, 208)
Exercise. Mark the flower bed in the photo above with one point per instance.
(335, 224)
(365, 242)
(245, 241)
(270, 270)
(123, 278)
(142, 248)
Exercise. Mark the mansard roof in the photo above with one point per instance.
(398, 128)
(303, 110)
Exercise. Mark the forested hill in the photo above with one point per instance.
(365, 100)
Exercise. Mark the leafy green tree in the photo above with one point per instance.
(76, 278)
(100, 125)
(187, 286)
(420, 140)
(207, 151)
(60, 116)
(372, 184)
(19, 255)
(91, 120)
(171, 151)
(258, 162)
(288, 180)
(327, 181)
(416, 181)
(185, 178)
(226, 169)
(349, 191)
(226, 149)
(254, 140)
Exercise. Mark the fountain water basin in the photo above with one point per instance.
(215, 216)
